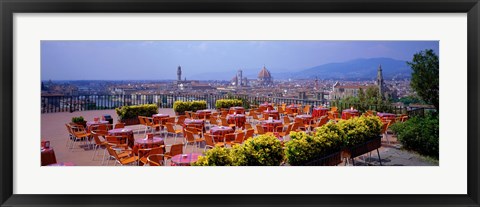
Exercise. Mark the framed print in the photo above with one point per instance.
(239, 103)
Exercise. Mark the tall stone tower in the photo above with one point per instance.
(380, 83)
(239, 78)
(179, 73)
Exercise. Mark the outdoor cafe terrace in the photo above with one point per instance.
(184, 140)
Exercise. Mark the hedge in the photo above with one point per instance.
(227, 103)
(132, 112)
(182, 106)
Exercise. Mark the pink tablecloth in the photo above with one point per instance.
(143, 143)
(197, 123)
(306, 119)
(237, 119)
(270, 126)
(185, 159)
(319, 112)
(123, 132)
(222, 131)
(204, 114)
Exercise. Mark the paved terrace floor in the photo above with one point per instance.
(53, 129)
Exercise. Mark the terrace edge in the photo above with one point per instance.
(9, 7)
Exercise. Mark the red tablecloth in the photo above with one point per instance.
(222, 131)
(95, 123)
(271, 113)
(319, 112)
(143, 143)
(197, 123)
(265, 106)
(349, 111)
(123, 132)
(185, 159)
(236, 109)
(270, 126)
(48, 156)
(237, 119)
(204, 114)
(306, 119)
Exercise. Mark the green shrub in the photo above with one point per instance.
(263, 150)
(227, 103)
(78, 119)
(304, 148)
(182, 106)
(217, 156)
(259, 151)
(358, 130)
(420, 134)
(132, 112)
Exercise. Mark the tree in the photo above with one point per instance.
(425, 76)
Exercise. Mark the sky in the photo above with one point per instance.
(158, 60)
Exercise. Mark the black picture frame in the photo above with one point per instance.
(10, 7)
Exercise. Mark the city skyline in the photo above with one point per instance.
(158, 60)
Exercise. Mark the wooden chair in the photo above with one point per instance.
(229, 138)
(155, 160)
(383, 132)
(188, 114)
(225, 123)
(79, 134)
(210, 142)
(141, 119)
(286, 120)
(144, 153)
(118, 125)
(122, 160)
(175, 149)
(250, 133)
(174, 132)
(286, 133)
(239, 138)
(190, 139)
(181, 120)
(259, 130)
(99, 144)
(306, 109)
(117, 141)
(248, 126)
(150, 124)
(256, 119)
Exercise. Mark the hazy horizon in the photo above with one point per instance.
(158, 60)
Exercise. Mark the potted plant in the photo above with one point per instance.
(362, 135)
(79, 120)
(322, 148)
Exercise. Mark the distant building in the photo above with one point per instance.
(340, 92)
(265, 78)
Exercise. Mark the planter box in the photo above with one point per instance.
(179, 113)
(329, 160)
(362, 148)
(132, 121)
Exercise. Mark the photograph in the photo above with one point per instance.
(285, 103)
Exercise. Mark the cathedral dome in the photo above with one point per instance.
(264, 73)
